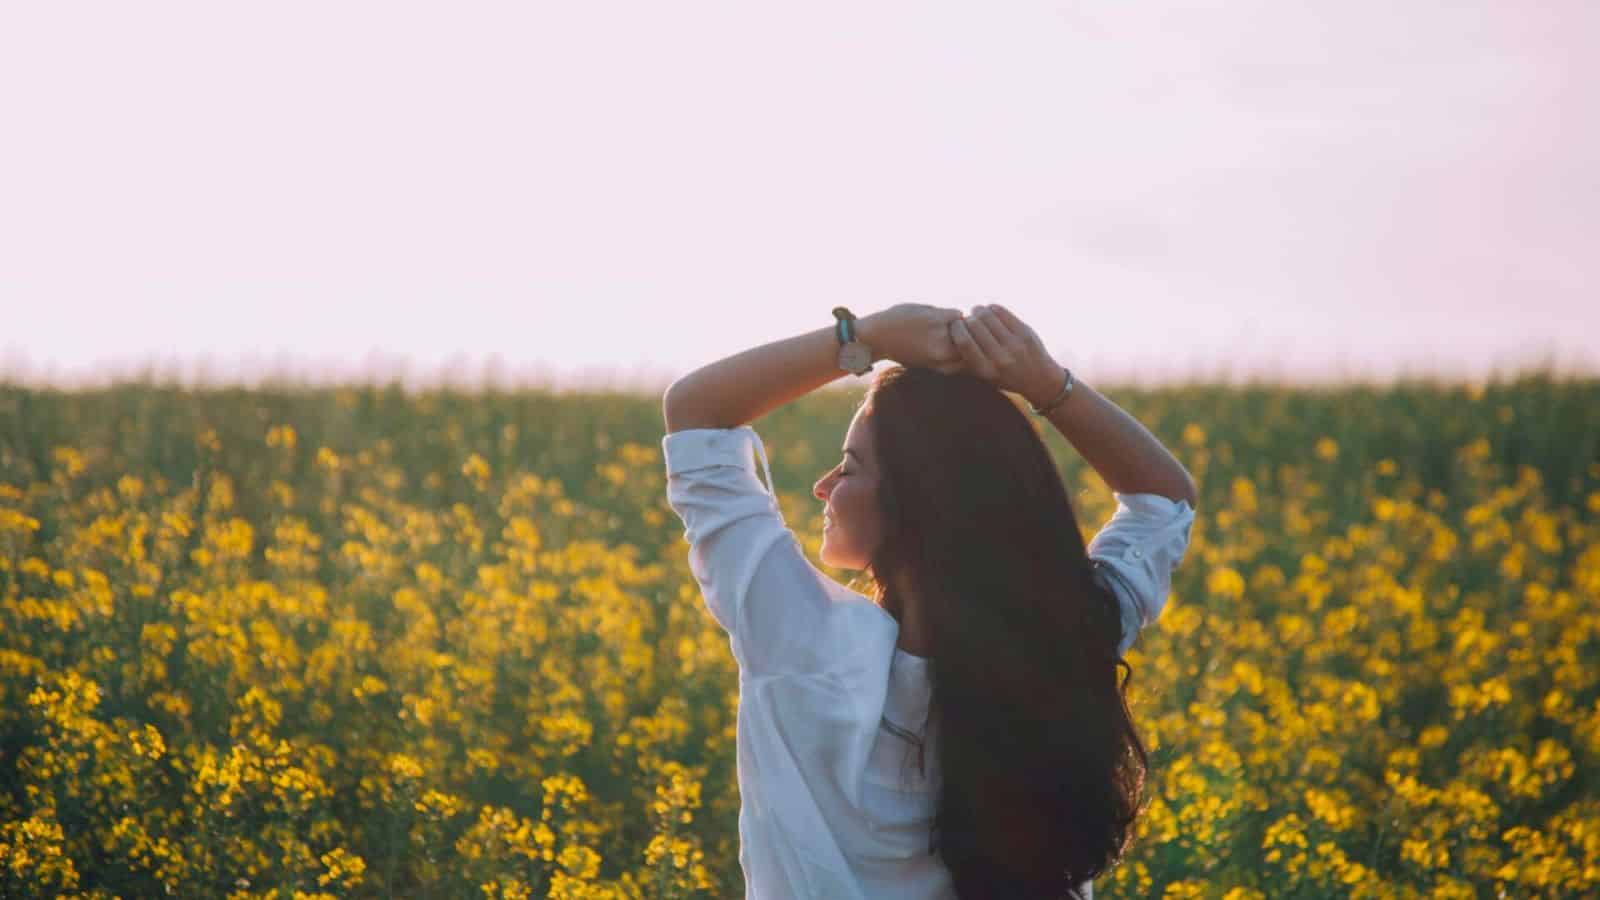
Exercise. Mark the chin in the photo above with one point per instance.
(849, 565)
(832, 557)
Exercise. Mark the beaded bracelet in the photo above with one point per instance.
(1060, 398)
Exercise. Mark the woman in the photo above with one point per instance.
(959, 732)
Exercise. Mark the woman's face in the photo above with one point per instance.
(849, 493)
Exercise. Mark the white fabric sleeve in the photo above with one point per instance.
(1137, 551)
(752, 572)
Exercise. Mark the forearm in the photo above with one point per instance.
(1115, 444)
(746, 386)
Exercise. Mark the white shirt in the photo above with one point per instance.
(827, 703)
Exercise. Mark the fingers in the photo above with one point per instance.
(983, 337)
(991, 339)
(1008, 317)
(1002, 324)
(948, 354)
(951, 361)
(968, 346)
(989, 334)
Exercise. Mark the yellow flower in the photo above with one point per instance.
(328, 459)
(345, 870)
(476, 469)
(1225, 582)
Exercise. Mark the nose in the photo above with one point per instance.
(820, 491)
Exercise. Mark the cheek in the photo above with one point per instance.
(856, 503)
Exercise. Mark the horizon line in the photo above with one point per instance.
(469, 372)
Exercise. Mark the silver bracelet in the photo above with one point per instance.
(1060, 398)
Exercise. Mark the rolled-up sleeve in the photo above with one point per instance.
(1137, 551)
(749, 565)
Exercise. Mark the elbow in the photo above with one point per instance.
(671, 415)
(679, 415)
(666, 409)
(1173, 483)
(1183, 490)
(674, 412)
(693, 407)
(1191, 493)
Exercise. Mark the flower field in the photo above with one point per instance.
(365, 643)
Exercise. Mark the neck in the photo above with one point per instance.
(914, 637)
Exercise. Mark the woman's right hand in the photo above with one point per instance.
(1001, 349)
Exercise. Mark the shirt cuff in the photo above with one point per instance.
(698, 448)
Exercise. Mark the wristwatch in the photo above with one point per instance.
(854, 355)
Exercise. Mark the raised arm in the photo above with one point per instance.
(747, 385)
(1118, 446)
(1001, 348)
(743, 387)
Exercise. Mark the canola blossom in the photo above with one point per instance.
(359, 643)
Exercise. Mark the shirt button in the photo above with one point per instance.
(1138, 553)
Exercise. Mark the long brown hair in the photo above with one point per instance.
(1042, 767)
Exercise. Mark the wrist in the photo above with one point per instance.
(869, 330)
(1046, 386)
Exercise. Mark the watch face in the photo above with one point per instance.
(854, 356)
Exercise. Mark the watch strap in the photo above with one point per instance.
(845, 331)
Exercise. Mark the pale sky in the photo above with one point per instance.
(622, 192)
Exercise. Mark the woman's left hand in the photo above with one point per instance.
(914, 334)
